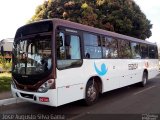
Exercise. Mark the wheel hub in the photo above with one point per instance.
(91, 93)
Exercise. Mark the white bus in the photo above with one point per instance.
(57, 62)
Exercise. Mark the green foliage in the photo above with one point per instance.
(5, 65)
(5, 82)
(121, 16)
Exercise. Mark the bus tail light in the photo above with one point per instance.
(45, 86)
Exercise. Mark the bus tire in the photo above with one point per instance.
(91, 93)
(144, 79)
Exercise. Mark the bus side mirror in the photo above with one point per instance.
(2, 51)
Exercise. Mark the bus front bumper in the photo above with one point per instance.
(47, 98)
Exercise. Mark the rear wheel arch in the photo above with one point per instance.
(146, 71)
(98, 80)
(144, 78)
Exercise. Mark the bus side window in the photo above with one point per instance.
(67, 46)
(92, 46)
(135, 50)
(152, 52)
(60, 46)
(144, 51)
(75, 47)
(69, 53)
(156, 52)
(125, 49)
(110, 47)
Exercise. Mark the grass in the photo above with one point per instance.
(5, 82)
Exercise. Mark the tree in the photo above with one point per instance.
(121, 16)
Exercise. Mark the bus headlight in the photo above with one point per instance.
(45, 86)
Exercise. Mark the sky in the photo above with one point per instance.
(151, 8)
(15, 13)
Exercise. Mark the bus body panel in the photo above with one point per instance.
(118, 75)
(50, 94)
(153, 69)
(70, 93)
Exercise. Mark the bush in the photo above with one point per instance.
(5, 65)
(5, 82)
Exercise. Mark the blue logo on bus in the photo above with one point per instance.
(101, 71)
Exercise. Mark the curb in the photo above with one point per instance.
(10, 101)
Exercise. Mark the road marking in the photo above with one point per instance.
(144, 90)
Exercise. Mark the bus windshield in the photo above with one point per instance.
(32, 56)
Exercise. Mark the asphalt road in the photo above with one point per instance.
(128, 103)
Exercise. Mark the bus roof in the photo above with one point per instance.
(73, 25)
(91, 29)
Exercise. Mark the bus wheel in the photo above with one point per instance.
(144, 79)
(92, 93)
